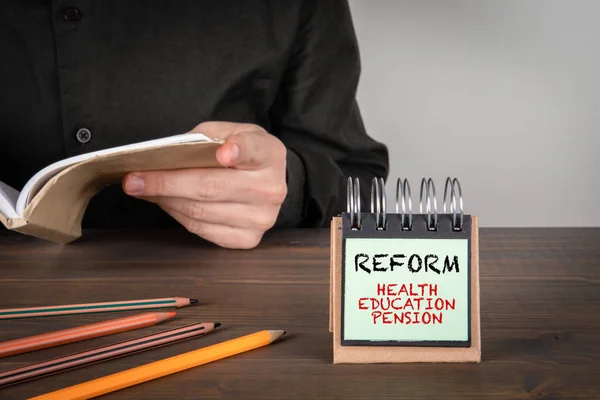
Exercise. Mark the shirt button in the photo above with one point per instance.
(72, 14)
(83, 135)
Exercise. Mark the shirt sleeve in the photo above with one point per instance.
(317, 117)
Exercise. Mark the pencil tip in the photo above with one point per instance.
(193, 301)
(276, 334)
(217, 324)
(162, 316)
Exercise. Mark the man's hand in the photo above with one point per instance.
(233, 206)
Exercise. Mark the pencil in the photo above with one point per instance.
(68, 309)
(80, 333)
(104, 353)
(167, 366)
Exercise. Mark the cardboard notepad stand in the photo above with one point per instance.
(405, 287)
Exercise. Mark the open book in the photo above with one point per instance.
(52, 203)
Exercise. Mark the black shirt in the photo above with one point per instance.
(129, 71)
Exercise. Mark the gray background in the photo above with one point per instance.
(504, 95)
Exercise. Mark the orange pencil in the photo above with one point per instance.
(84, 332)
(164, 367)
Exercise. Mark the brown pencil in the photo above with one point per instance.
(68, 309)
(104, 353)
(84, 332)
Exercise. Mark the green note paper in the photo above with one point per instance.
(406, 291)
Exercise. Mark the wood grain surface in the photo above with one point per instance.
(540, 315)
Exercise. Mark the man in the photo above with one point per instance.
(276, 79)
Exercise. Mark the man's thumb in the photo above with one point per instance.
(244, 150)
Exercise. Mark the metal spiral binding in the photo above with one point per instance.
(432, 223)
(353, 202)
(457, 222)
(403, 192)
(427, 204)
(378, 203)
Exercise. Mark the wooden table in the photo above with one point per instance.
(540, 303)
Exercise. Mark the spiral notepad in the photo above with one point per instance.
(404, 285)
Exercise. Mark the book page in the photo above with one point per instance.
(8, 200)
(37, 182)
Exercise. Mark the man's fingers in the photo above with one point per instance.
(205, 185)
(198, 184)
(222, 235)
(251, 216)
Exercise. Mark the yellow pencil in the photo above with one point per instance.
(158, 369)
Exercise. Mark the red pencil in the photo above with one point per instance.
(82, 333)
